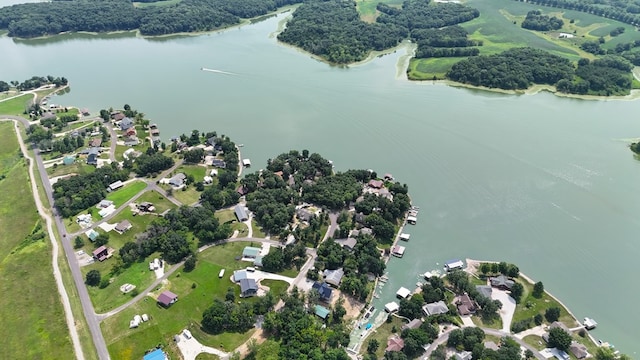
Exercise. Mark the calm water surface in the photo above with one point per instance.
(541, 181)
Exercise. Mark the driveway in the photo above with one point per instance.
(508, 308)
(190, 348)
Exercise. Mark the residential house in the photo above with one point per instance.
(413, 324)
(103, 204)
(131, 141)
(95, 142)
(219, 163)
(101, 253)
(304, 215)
(464, 355)
(125, 124)
(376, 184)
(324, 290)
(394, 343)
(578, 350)
(146, 206)
(501, 282)
(349, 243)
(465, 305)
(242, 190)
(248, 287)
(123, 227)
(178, 180)
(241, 213)
(131, 132)
(166, 298)
(250, 252)
(435, 308)
(321, 311)
(211, 141)
(333, 277)
(484, 290)
(360, 218)
(117, 116)
(91, 234)
(92, 158)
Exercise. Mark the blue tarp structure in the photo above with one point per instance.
(157, 354)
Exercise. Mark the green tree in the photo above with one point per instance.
(190, 263)
(93, 278)
(516, 292)
(101, 239)
(373, 346)
(552, 314)
(559, 338)
(78, 242)
(538, 290)
(528, 354)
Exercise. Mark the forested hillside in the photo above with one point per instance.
(332, 29)
(47, 18)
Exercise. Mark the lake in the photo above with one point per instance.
(545, 182)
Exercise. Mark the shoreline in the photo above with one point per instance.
(474, 264)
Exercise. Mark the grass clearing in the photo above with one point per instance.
(79, 167)
(530, 306)
(198, 172)
(229, 216)
(33, 318)
(111, 297)
(158, 200)
(536, 341)
(125, 193)
(257, 230)
(187, 196)
(16, 106)
(196, 291)
(367, 8)
(139, 223)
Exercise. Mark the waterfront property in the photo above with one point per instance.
(405, 236)
(403, 293)
(398, 251)
(333, 277)
(435, 308)
(453, 265)
(391, 307)
(394, 343)
(501, 282)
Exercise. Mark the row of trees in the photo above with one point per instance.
(48, 18)
(34, 82)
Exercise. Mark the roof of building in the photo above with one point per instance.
(125, 123)
(323, 289)
(403, 292)
(435, 308)
(241, 213)
(558, 324)
(405, 236)
(465, 305)
(116, 184)
(376, 183)
(167, 297)
(248, 285)
(501, 282)
(99, 250)
(252, 252)
(350, 243)
(391, 307)
(123, 226)
(92, 234)
(413, 324)
(578, 350)
(178, 179)
(394, 343)
(453, 264)
(333, 277)
(464, 355)
(156, 354)
(321, 311)
(68, 160)
(105, 203)
(399, 250)
(96, 142)
(484, 290)
(240, 275)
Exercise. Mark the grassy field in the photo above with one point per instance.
(197, 171)
(257, 230)
(158, 200)
(229, 216)
(367, 8)
(78, 167)
(15, 106)
(33, 324)
(187, 196)
(139, 223)
(499, 28)
(195, 289)
(529, 306)
(126, 192)
(111, 297)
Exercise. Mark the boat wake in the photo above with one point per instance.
(217, 71)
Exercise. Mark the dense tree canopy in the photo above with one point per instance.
(625, 11)
(535, 20)
(46, 18)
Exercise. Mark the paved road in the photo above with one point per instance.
(87, 306)
(73, 331)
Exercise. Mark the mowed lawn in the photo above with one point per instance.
(33, 324)
(126, 192)
(196, 291)
(16, 106)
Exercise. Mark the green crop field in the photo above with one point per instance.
(33, 324)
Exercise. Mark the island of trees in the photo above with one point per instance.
(535, 20)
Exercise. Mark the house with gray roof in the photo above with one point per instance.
(324, 290)
(501, 282)
(248, 287)
(485, 290)
(178, 180)
(333, 277)
(125, 123)
(413, 324)
(435, 308)
(578, 350)
(241, 213)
